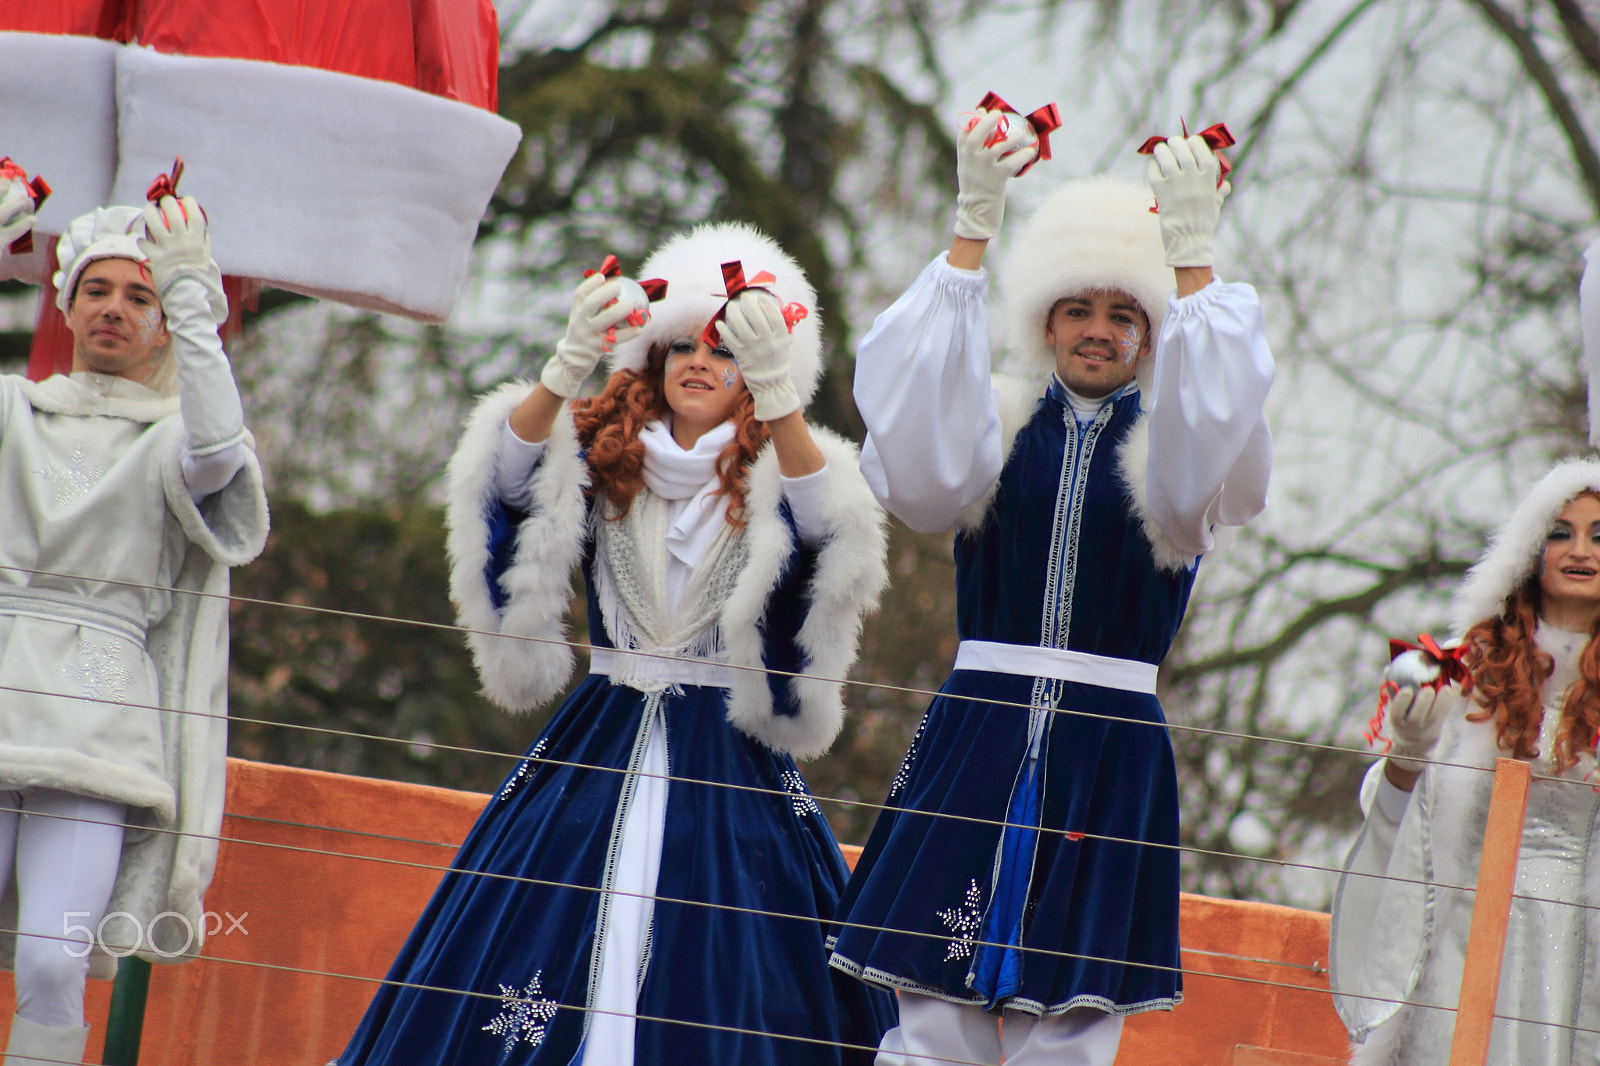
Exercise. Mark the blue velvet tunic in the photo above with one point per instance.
(1077, 904)
(749, 875)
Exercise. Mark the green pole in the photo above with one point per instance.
(125, 1025)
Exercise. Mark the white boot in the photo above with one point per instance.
(32, 1043)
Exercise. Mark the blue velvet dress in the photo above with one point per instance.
(1069, 908)
(736, 964)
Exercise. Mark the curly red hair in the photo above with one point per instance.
(609, 423)
(1509, 673)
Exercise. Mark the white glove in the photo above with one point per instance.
(208, 398)
(1416, 714)
(1182, 173)
(16, 210)
(982, 173)
(178, 246)
(754, 331)
(583, 346)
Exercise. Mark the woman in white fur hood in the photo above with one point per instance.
(1528, 687)
(726, 548)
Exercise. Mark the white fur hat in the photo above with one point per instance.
(1093, 233)
(103, 233)
(691, 265)
(1513, 553)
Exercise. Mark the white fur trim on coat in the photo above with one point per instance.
(691, 264)
(1093, 233)
(519, 674)
(1513, 553)
(229, 525)
(850, 574)
(521, 652)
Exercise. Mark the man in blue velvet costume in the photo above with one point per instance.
(1026, 866)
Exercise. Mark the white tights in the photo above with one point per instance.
(66, 849)
(934, 1033)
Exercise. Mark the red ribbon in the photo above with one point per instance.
(733, 283)
(38, 191)
(1452, 669)
(1216, 137)
(654, 289)
(1045, 121)
(609, 267)
(166, 184)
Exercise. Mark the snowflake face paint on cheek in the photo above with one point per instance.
(729, 377)
(1132, 338)
(149, 324)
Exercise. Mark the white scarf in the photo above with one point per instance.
(673, 473)
(638, 599)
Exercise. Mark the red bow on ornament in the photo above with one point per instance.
(733, 282)
(1452, 670)
(167, 185)
(1216, 137)
(38, 190)
(654, 289)
(1045, 121)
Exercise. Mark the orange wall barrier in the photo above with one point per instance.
(344, 906)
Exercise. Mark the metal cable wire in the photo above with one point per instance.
(467, 993)
(785, 794)
(924, 694)
(614, 892)
(836, 800)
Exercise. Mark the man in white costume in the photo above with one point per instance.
(130, 487)
(1025, 864)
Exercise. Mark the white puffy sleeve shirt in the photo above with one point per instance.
(933, 425)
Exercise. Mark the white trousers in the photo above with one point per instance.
(66, 849)
(935, 1033)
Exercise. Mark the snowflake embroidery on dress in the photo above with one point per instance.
(523, 1015)
(799, 797)
(73, 481)
(964, 921)
(525, 770)
(98, 671)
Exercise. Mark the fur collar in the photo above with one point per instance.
(97, 394)
(521, 652)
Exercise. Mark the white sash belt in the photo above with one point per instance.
(660, 668)
(1027, 660)
(73, 609)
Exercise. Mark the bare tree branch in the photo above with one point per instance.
(1544, 76)
(1580, 32)
(1287, 85)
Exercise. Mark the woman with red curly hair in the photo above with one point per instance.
(1528, 688)
(651, 883)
